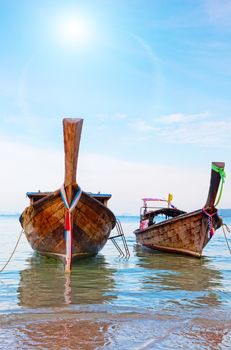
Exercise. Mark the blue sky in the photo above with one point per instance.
(151, 80)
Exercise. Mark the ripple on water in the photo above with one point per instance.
(152, 301)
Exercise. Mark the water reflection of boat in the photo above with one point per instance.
(42, 284)
(170, 273)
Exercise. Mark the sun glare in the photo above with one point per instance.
(72, 31)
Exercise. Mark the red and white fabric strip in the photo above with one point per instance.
(68, 224)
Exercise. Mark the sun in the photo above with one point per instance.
(72, 30)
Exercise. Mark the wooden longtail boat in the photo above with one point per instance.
(84, 217)
(181, 232)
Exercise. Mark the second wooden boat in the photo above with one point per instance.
(68, 223)
(178, 231)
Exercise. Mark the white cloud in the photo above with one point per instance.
(27, 168)
(141, 126)
(196, 129)
(130, 181)
(120, 116)
(204, 133)
(183, 118)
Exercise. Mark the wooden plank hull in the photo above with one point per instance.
(186, 234)
(43, 223)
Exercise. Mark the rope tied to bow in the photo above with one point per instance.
(226, 239)
(211, 229)
(222, 174)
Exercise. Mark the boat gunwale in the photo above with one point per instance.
(171, 220)
(57, 193)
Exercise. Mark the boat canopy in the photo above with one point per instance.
(168, 201)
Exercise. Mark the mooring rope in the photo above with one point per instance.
(11, 255)
(228, 230)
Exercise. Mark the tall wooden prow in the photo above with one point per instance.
(72, 132)
(216, 176)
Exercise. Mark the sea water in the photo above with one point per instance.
(152, 300)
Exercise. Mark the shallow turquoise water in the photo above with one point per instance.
(151, 301)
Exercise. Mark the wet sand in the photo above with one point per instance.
(111, 329)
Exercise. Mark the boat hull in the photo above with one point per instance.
(186, 234)
(44, 221)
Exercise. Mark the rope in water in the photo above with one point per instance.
(11, 255)
(228, 230)
(221, 171)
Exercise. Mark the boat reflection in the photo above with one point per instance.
(44, 283)
(190, 279)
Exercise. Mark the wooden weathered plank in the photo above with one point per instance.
(43, 221)
(188, 232)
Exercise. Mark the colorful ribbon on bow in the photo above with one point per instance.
(211, 229)
(68, 224)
